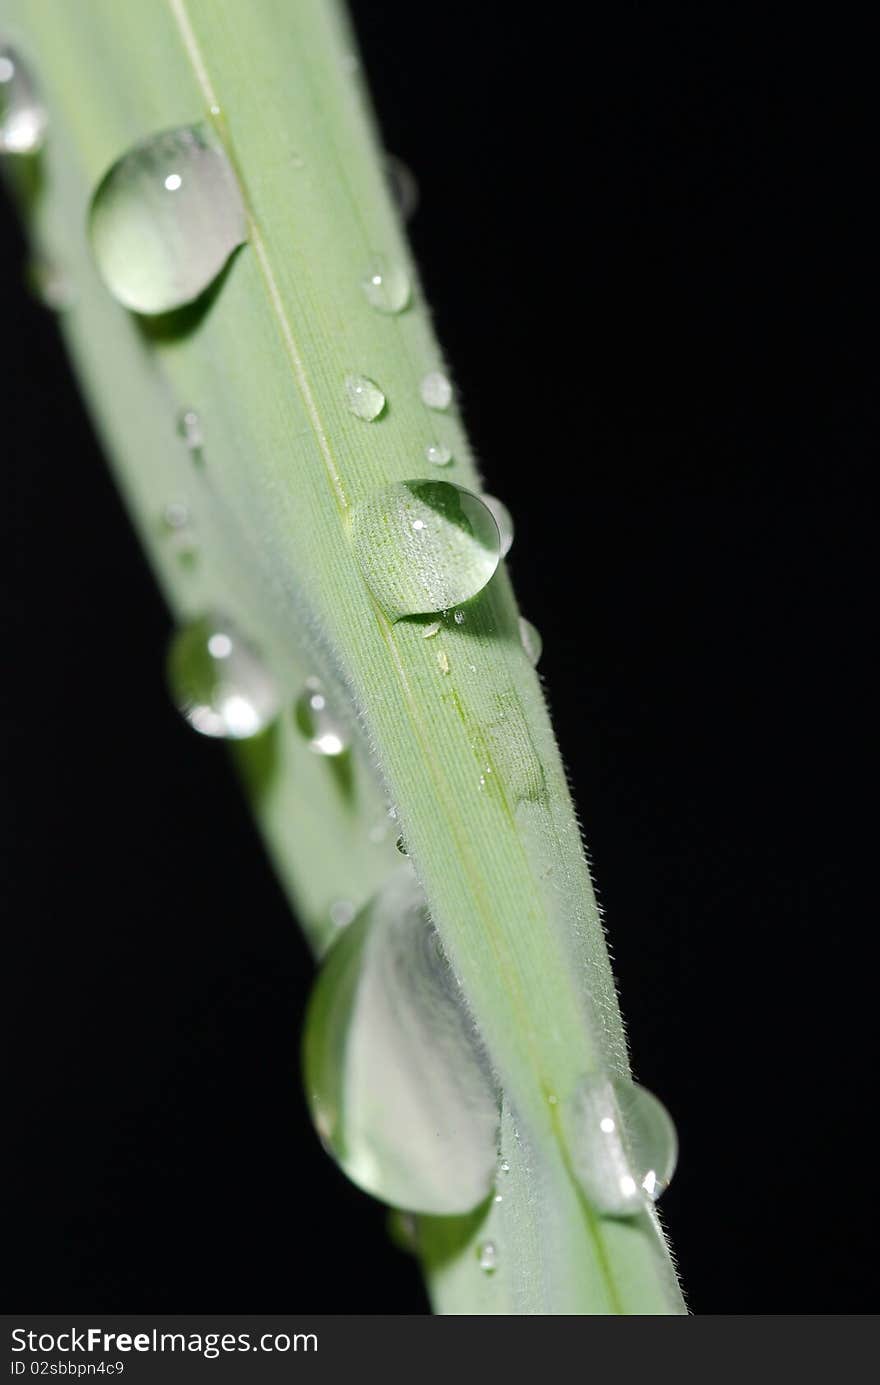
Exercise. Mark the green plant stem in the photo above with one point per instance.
(466, 757)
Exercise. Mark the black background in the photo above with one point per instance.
(646, 243)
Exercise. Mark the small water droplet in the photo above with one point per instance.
(219, 682)
(504, 1166)
(314, 717)
(530, 639)
(459, 617)
(51, 285)
(438, 454)
(431, 630)
(498, 1197)
(189, 426)
(488, 1257)
(165, 219)
(424, 546)
(401, 846)
(23, 117)
(443, 660)
(622, 1143)
(504, 520)
(436, 390)
(387, 288)
(176, 515)
(365, 399)
(398, 1085)
(402, 185)
(342, 911)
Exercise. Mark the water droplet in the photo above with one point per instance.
(487, 1254)
(314, 717)
(424, 546)
(387, 288)
(622, 1144)
(51, 285)
(365, 399)
(530, 639)
(23, 116)
(398, 1085)
(431, 630)
(219, 682)
(189, 426)
(438, 454)
(504, 1166)
(342, 911)
(498, 1198)
(436, 390)
(459, 617)
(401, 846)
(402, 185)
(165, 219)
(504, 520)
(176, 515)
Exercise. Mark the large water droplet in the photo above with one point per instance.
(219, 682)
(399, 1088)
(23, 116)
(403, 186)
(387, 288)
(365, 399)
(504, 520)
(324, 732)
(424, 546)
(436, 390)
(530, 639)
(165, 219)
(622, 1144)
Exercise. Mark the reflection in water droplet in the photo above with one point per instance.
(424, 546)
(459, 617)
(530, 639)
(622, 1144)
(401, 846)
(397, 1083)
(402, 185)
(219, 682)
(387, 288)
(488, 1257)
(189, 426)
(365, 399)
(165, 219)
(314, 717)
(23, 116)
(438, 454)
(504, 520)
(436, 390)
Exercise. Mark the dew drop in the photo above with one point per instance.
(314, 717)
(50, 285)
(487, 1254)
(504, 520)
(436, 390)
(504, 1166)
(175, 515)
(219, 682)
(342, 911)
(365, 399)
(459, 617)
(165, 219)
(189, 426)
(23, 117)
(530, 639)
(622, 1142)
(402, 185)
(387, 288)
(438, 454)
(424, 546)
(401, 846)
(397, 1082)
